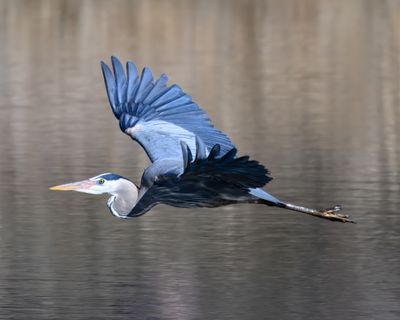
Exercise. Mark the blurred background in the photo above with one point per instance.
(309, 88)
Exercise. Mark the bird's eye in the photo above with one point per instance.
(101, 181)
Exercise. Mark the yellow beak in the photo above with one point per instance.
(86, 184)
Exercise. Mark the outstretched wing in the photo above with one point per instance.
(207, 181)
(158, 116)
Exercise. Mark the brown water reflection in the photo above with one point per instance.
(310, 88)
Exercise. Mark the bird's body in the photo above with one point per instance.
(193, 163)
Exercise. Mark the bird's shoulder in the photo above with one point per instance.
(161, 170)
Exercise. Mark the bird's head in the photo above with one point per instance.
(124, 192)
(104, 183)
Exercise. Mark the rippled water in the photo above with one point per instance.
(309, 88)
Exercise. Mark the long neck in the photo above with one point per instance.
(123, 199)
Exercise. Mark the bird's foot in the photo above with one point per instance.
(333, 215)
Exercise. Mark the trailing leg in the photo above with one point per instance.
(330, 213)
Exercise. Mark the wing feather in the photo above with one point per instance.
(120, 80)
(110, 88)
(133, 76)
(145, 85)
(207, 181)
(153, 113)
(235, 171)
(159, 87)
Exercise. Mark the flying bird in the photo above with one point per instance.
(193, 164)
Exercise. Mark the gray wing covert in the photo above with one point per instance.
(157, 116)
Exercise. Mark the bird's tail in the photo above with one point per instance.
(265, 198)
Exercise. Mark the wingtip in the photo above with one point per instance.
(114, 59)
(146, 72)
(130, 65)
(103, 66)
(116, 63)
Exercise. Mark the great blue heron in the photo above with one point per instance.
(193, 163)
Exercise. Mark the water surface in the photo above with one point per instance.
(309, 88)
